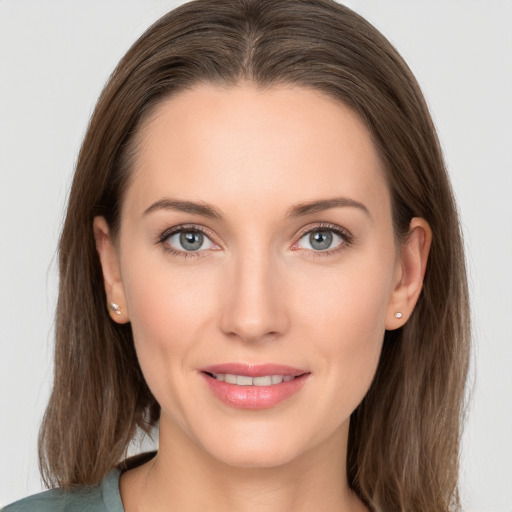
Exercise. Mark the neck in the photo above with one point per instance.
(182, 476)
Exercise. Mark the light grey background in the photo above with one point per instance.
(54, 59)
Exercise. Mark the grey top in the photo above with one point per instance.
(104, 497)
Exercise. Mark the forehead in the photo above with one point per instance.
(247, 147)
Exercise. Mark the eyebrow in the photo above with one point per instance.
(204, 209)
(297, 210)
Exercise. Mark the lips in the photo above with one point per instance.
(254, 386)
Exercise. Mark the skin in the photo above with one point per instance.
(256, 292)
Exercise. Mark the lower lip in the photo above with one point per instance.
(255, 397)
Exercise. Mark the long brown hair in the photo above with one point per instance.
(405, 435)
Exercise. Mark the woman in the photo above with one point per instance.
(244, 263)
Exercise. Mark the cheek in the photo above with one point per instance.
(163, 304)
(168, 312)
(349, 301)
(354, 330)
(345, 313)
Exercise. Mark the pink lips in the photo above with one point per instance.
(252, 396)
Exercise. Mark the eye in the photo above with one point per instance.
(326, 239)
(186, 240)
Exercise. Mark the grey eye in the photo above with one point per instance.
(320, 240)
(189, 240)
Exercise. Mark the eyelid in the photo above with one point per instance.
(324, 225)
(186, 227)
(162, 239)
(344, 234)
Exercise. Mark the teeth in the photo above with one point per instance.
(262, 381)
(244, 380)
(229, 378)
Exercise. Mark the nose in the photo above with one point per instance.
(254, 307)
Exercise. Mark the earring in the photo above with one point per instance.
(398, 314)
(114, 308)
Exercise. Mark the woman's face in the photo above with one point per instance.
(256, 241)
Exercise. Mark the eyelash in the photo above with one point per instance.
(347, 240)
(162, 239)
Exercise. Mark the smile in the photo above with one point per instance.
(246, 380)
(254, 386)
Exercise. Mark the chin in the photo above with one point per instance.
(257, 448)
(255, 456)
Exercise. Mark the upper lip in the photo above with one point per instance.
(253, 370)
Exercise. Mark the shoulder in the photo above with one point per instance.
(54, 499)
(102, 498)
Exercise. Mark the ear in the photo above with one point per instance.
(410, 273)
(116, 299)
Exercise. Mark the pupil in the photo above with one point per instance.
(191, 240)
(320, 239)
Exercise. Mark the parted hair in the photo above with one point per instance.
(404, 440)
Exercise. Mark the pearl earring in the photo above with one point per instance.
(398, 314)
(114, 308)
